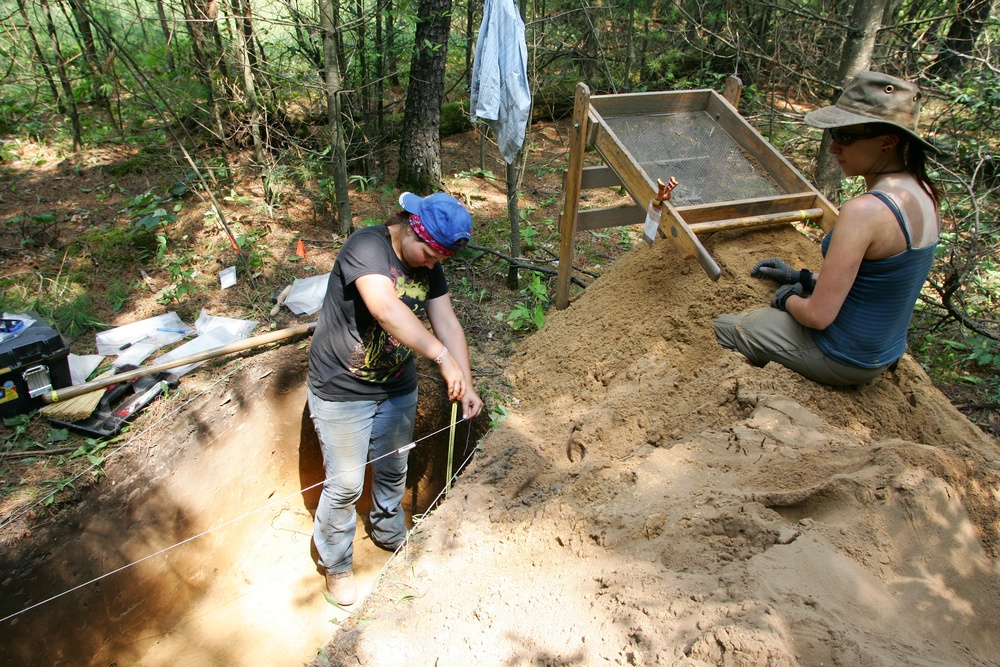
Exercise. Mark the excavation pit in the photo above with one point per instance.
(199, 551)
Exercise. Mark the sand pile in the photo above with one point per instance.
(653, 499)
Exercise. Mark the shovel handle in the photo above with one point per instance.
(229, 348)
(707, 263)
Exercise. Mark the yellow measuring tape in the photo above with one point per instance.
(451, 447)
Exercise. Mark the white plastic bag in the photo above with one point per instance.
(213, 331)
(157, 331)
(81, 366)
(306, 295)
(238, 328)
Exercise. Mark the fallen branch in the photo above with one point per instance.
(40, 452)
(513, 261)
(977, 406)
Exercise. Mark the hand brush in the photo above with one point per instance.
(78, 407)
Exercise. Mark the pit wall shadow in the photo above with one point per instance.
(223, 457)
(427, 466)
(228, 454)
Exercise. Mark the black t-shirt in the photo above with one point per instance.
(351, 357)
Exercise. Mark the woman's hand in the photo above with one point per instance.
(459, 388)
(454, 377)
(472, 405)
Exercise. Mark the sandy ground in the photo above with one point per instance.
(653, 499)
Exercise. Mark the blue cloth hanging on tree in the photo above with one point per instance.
(500, 92)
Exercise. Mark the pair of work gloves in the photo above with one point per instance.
(793, 281)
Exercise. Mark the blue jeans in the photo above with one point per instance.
(351, 433)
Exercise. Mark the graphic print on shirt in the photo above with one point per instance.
(379, 356)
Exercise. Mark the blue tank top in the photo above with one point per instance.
(870, 329)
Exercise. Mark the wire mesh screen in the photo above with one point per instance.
(709, 165)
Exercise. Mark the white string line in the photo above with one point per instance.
(24, 510)
(400, 450)
(423, 517)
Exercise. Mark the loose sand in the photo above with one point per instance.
(654, 499)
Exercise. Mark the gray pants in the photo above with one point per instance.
(769, 334)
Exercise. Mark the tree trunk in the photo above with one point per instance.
(334, 89)
(420, 148)
(36, 47)
(960, 42)
(379, 127)
(470, 37)
(67, 89)
(856, 55)
(142, 22)
(515, 175)
(365, 88)
(244, 47)
(168, 34)
(391, 59)
(513, 216)
(196, 20)
(81, 18)
(629, 49)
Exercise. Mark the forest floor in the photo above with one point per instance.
(649, 498)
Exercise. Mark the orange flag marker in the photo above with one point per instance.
(300, 249)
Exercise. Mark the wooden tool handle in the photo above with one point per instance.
(229, 348)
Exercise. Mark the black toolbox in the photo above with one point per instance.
(33, 360)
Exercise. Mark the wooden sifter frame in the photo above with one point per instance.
(798, 200)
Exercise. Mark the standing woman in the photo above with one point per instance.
(362, 386)
(848, 323)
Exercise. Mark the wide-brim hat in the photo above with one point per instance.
(873, 97)
(439, 220)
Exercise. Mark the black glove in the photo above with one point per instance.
(775, 269)
(785, 291)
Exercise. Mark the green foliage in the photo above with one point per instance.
(179, 265)
(478, 173)
(455, 117)
(34, 230)
(530, 313)
(17, 438)
(361, 183)
(985, 352)
(118, 294)
(235, 198)
(498, 413)
(466, 289)
(151, 157)
(64, 303)
(248, 241)
(148, 210)
(8, 148)
(115, 246)
(75, 317)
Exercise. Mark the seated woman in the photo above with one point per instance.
(848, 323)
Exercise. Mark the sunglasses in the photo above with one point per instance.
(847, 138)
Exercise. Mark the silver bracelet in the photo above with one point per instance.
(440, 358)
